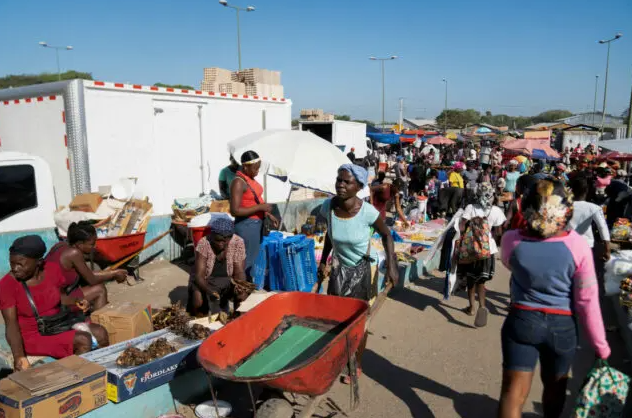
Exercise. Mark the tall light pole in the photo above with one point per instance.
(57, 49)
(382, 60)
(445, 111)
(595, 101)
(238, 9)
(605, 87)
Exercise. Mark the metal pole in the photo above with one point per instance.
(58, 68)
(383, 95)
(605, 92)
(238, 39)
(595, 101)
(629, 130)
(445, 118)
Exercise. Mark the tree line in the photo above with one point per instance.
(460, 118)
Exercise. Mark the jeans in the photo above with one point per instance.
(529, 335)
(250, 231)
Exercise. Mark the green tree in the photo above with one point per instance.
(175, 86)
(295, 122)
(19, 80)
(342, 117)
(458, 118)
(368, 122)
(551, 116)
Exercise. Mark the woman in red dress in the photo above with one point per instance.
(82, 238)
(44, 281)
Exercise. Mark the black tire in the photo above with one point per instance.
(275, 408)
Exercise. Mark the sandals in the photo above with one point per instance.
(481, 318)
(346, 380)
(468, 311)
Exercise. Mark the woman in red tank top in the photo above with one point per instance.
(515, 220)
(249, 208)
(82, 238)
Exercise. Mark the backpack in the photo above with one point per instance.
(474, 245)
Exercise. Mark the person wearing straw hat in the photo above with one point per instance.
(249, 208)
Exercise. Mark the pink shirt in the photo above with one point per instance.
(556, 275)
(602, 183)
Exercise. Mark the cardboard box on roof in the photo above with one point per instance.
(124, 320)
(72, 401)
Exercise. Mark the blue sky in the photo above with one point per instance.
(514, 57)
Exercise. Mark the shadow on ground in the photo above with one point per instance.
(401, 383)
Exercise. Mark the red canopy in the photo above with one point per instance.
(407, 139)
(615, 155)
(440, 140)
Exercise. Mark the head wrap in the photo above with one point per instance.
(547, 208)
(513, 162)
(222, 225)
(359, 173)
(561, 166)
(458, 165)
(485, 195)
(31, 246)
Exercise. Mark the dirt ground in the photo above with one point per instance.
(424, 357)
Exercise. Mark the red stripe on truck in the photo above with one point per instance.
(28, 100)
(68, 164)
(119, 85)
(137, 86)
(6, 102)
(40, 99)
(170, 90)
(52, 97)
(16, 101)
(153, 88)
(99, 83)
(66, 140)
(63, 116)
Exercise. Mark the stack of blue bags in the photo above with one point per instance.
(286, 264)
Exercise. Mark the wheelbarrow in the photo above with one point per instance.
(292, 342)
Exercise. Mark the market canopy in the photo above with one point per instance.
(527, 146)
(384, 138)
(299, 157)
(540, 154)
(615, 155)
(440, 140)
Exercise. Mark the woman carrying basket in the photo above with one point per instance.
(351, 222)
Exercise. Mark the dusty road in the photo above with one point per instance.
(424, 357)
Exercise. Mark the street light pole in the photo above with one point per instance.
(392, 57)
(595, 101)
(57, 48)
(445, 108)
(237, 9)
(605, 87)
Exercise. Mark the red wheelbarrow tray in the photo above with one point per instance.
(231, 346)
(117, 248)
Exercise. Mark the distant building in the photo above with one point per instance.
(415, 124)
(547, 126)
(591, 119)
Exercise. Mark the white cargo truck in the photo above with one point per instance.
(345, 135)
(84, 134)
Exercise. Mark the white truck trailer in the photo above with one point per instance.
(345, 135)
(93, 133)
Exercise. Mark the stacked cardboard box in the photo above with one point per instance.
(220, 80)
(232, 87)
(217, 75)
(316, 115)
(251, 81)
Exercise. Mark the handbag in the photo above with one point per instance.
(266, 226)
(603, 394)
(53, 324)
(349, 281)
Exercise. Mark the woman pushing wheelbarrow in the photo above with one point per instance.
(351, 222)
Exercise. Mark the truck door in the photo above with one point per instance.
(178, 142)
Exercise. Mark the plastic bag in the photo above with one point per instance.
(603, 394)
(352, 282)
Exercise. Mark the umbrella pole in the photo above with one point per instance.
(287, 203)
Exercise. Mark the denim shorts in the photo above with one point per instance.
(529, 335)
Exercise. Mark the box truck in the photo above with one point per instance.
(79, 135)
(345, 135)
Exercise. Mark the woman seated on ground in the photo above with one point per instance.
(219, 264)
(553, 282)
(69, 254)
(44, 282)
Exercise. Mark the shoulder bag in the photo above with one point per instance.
(266, 226)
(349, 281)
(54, 324)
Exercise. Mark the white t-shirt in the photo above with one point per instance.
(496, 217)
(472, 155)
(382, 158)
(584, 213)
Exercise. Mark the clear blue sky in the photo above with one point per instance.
(505, 56)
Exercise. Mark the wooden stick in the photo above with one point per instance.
(379, 301)
(126, 259)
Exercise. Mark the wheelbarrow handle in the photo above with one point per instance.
(379, 301)
(129, 257)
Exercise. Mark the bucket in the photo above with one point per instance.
(199, 232)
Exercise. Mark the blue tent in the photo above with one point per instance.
(384, 138)
(539, 154)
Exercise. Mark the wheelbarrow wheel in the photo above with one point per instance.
(275, 408)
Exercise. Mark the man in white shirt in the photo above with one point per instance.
(585, 214)
(472, 156)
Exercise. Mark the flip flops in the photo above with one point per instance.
(481, 318)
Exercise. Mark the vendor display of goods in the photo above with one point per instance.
(132, 218)
(133, 356)
(626, 292)
(403, 257)
(185, 209)
(621, 230)
(176, 319)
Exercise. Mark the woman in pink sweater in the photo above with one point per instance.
(553, 281)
